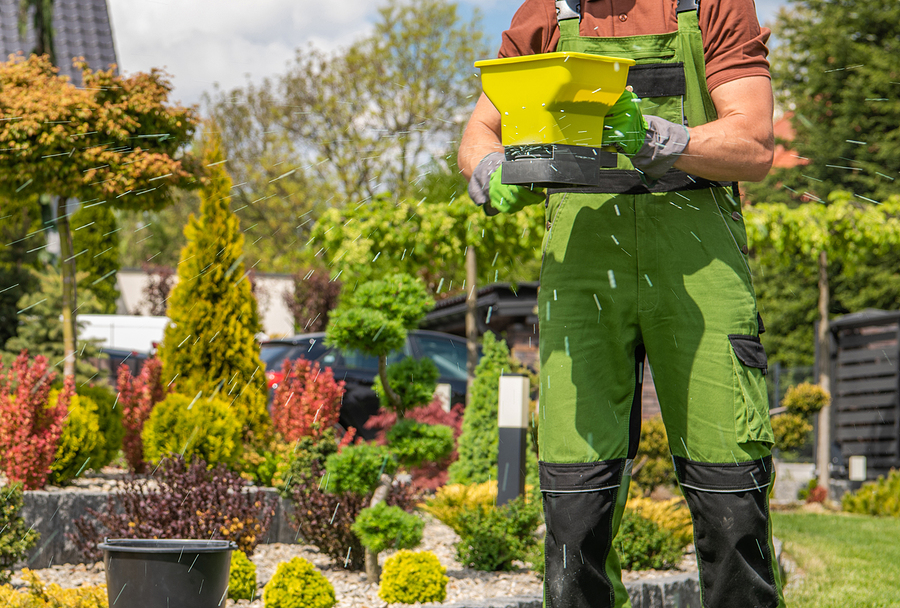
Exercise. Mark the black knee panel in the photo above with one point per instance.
(579, 503)
(730, 509)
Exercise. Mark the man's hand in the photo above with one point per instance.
(624, 125)
(488, 190)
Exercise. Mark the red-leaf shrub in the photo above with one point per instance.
(30, 427)
(307, 401)
(137, 396)
(432, 475)
(180, 501)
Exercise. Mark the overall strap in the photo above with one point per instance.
(699, 107)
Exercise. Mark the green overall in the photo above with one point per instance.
(631, 270)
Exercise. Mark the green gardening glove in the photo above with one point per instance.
(624, 125)
(509, 198)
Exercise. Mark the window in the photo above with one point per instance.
(449, 355)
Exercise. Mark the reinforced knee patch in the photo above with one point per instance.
(730, 508)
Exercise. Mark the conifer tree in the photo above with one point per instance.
(210, 346)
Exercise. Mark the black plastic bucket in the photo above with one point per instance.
(166, 573)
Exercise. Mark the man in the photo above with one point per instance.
(651, 262)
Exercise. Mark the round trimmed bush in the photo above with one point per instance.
(381, 527)
(80, 441)
(204, 428)
(109, 412)
(241, 577)
(297, 584)
(409, 577)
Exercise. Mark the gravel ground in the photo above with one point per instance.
(351, 588)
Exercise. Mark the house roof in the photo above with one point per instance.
(81, 28)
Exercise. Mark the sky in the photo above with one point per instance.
(202, 42)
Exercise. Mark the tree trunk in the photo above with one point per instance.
(373, 570)
(69, 295)
(471, 311)
(392, 397)
(823, 459)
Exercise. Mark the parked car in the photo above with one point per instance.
(358, 370)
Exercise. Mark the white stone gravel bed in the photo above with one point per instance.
(351, 588)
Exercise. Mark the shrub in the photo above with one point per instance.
(38, 595)
(381, 527)
(297, 584)
(181, 501)
(805, 399)
(451, 500)
(642, 544)
(15, 537)
(671, 515)
(30, 426)
(137, 396)
(477, 445)
(653, 463)
(202, 427)
(324, 519)
(413, 577)
(358, 468)
(109, 413)
(241, 577)
(313, 297)
(307, 401)
(492, 538)
(413, 381)
(266, 465)
(306, 454)
(791, 431)
(413, 443)
(80, 441)
(881, 497)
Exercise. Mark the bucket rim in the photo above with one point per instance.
(166, 545)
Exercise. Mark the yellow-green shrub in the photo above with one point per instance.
(805, 399)
(880, 497)
(451, 500)
(109, 412)
(38, 595)
(671, 515)
(297, 584)
(242, 577)
(80, 444)
(409, 577)
(202, 427)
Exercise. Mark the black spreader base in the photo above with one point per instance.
(554, 165)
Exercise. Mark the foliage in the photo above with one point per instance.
(358, 468)
(642, 544)
(37, 594)
(791, 431)
(40, 330)
(880, 497)
(16, 539)
(312, 298)
(266, 465)
(157, 289)
(492, 538)
(671, 515)
(241, 577)
(477, 445)
(381, 527)
(324, 519)
(413, 380)
(202, 427)
(805, 399)
(181, 500)
(211, 346)
(451, 500)
(413, 577)
(836, 69)
(30, 425)
(654, 461)
(80, 441)
(297, 584)
(138, 395)
(19, 223)
(95, 238)
(428, 238)
(109, 413)
(430, 475)
(307, 402)
(307, 453)
(156, 236)
(413, 443)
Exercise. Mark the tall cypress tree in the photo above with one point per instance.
(210, 347)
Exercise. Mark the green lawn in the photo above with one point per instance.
(847, 561)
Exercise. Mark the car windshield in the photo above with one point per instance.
(448, 355)
(355, 359)
(274, 354)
